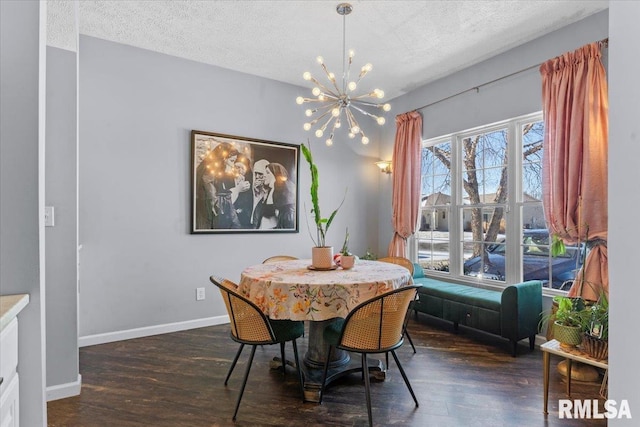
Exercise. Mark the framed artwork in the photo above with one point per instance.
(243, 185)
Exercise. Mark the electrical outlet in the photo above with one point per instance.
(199, 294)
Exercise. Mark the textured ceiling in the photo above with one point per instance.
(409, 43)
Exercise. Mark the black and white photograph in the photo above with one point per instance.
(243, 185)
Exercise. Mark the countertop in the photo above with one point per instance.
(10, 306)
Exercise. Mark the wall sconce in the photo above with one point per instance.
(385, 166)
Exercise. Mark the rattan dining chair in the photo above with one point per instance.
(406, 263)
(375, 326)
(249, 325)
(277, 258)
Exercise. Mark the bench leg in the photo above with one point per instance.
(532, 342)
(514, 348)
(455, 326)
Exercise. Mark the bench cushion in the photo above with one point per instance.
(483, 298)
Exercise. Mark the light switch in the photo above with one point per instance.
(48, 216)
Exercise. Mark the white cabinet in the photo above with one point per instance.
(10, 306)
(9, 414)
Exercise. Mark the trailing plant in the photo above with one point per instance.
(322, 224)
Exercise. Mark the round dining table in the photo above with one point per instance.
(295, 290)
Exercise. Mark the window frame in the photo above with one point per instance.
(513, 207)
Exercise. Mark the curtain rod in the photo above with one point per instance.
(604, 44)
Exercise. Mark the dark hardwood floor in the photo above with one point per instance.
(464, 379)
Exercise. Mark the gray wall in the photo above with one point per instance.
(139, 266)
(22, 72)
(61, 240)
(624, 174)
(511, 97)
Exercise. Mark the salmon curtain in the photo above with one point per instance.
(575, 106)
(406, 168)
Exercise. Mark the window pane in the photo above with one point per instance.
(433, 235)
(483, 243)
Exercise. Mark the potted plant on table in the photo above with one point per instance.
(347, 260)
(595, 326)
(321, 254)
(568, 320)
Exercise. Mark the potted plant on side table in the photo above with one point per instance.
(321, 254)
(568, 320)
(595, 340)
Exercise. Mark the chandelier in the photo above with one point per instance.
(335, 102)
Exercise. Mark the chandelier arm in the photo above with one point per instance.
(368, 104)
(352, 120)
(324, 127)
(331, 79)
(323, 87)
(320, 117)
(366, 113)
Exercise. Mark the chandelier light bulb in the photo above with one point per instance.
(352, 53)
(319, 133)
(367, 67)
(320, 60)
(321, 97)
(337, 124)
(380, 120)
(352, 86)
(306, 75)
(335, 112)
(379, 93)
(386, 107)
(351, 135)
(307, 126)
(365, 140)
(299, 100)
(308, 113)
(355, 130)
(329, 142)
(316, 91)
(332, 77)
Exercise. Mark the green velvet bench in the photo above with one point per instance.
(513, 313)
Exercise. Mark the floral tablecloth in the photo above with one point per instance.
(289, 290)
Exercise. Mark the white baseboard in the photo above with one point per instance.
(63, 391)
(150, 330)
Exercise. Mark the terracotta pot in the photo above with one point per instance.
(347, 261)
(322, 257)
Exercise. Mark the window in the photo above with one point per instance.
(481, 214)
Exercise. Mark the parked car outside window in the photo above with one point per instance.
(535, 261)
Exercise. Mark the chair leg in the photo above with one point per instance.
(233, 365)
(406, 334)
(295, 355)
(284, 361)
(365, 369)
(244, 382)
(324, 374)
(404, 376)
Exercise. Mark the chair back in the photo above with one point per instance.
(248, 323)
(377, 325)
(277, 258)
(406, 263)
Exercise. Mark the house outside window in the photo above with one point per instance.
(481, 216)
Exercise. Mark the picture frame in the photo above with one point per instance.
(243, 185)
